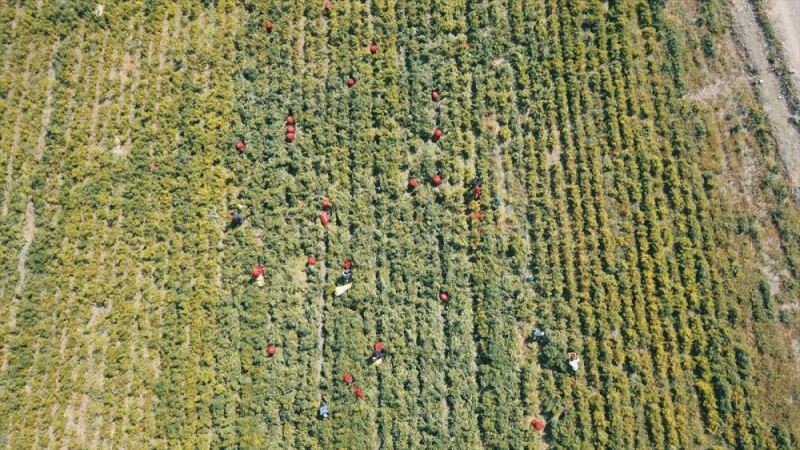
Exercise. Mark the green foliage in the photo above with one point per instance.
(133, 321)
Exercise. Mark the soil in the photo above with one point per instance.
(786, 136)
(48, 105)
(785, 17)
(28, 231)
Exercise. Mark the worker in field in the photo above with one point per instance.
(538, 334)
(347, 273)
(323, 411)
(347, 277)
(377, 352)
(475, 182)
(258, 275)
(237, 219)
(359, 393)
(475, 187)
(574, 361)
(477, 192)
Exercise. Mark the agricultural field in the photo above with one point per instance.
(639, 205)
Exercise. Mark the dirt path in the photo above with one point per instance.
(720, 88)
(796, 350)
(48, 103)
(102, 75)
(27, 237)
(28, 231)
(785, 17)
(786, 136)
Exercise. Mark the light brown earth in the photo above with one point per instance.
(785, 17)
(786, 136)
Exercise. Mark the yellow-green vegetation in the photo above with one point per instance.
(648, 229)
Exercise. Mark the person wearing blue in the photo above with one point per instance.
(237, 219)
(323, 411)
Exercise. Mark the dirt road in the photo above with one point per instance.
(785, 17)
(786, 136)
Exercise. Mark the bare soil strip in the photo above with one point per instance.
(786, 136)
(48, 103)
(28, 230)
(785, 16)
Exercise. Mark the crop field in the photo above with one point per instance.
(635, 206)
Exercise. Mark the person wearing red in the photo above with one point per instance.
(359, 393)
(476, 192)
(476, 188)
(258, 271)
(377, 351)
(347, 273)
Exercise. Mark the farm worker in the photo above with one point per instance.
(538, 334)
(258, 275)
(258, 271)
(347, 274)
(497, 201)
(476, 192)
(359, 393)
(537, 424)
(324, 219)
(377, 352)
(573, 361)
(237, 219)
(347, 277)
(347, 378)
(323, 410)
